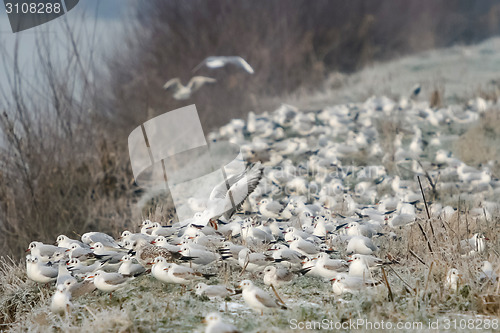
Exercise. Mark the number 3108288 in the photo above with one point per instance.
(33, 8)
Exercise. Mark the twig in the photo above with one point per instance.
(428, 277)
(426, 206)
(407, 285)
(247, 260)
(418, 258)
(276, 293)
(391, 297)
(426, 238)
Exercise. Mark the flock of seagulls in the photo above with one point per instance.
(311, 210)
(181, 92)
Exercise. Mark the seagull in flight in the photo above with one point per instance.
(181, 92)
(218, 62)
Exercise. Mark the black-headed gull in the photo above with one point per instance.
(221, 61)
(361, 245)
(213, 291)
(181, 92)
(453, 279)
(257, 299)
(106, 240)
(277, 276)
(39, 272)
(344, 283)
(109, 282)
(216, 325)
(253, 261)
(129, 268)
(61, 300)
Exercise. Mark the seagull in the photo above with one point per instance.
(181, 274)
(257, 299)
(252, 262)
(221, 61)
(343, 283)
(277, 276)
(61, 300)
(42, 251)
(128, 268)
(328, 268)
(65, 241)
(225, 202)
(181, 92)
(38, 272)
(476, 244)
(145, 252)
(216, 325)
(105, 239)
(270, 209)
(453, 278)
(199, 257)
(76, 267)
(109, 282)
(213, 291)
(361, 245)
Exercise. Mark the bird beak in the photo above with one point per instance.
(349, 260)
(91, 276)
(67, 250)
(91, 247)
(332, 279)
(153, 242)
(486, 238)
(27, 250)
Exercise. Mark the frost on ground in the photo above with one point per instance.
(344, 158)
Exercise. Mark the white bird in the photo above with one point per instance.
(213, 291)
(453, 278)
(42, 251)
(199, 257)
(109, 282)
(129, 268)
(257, 299)
(252, 262)
(158, 270)
(78, 268)
(277, 276)
(328, 268)
(281, 253)
(221, 61)
(303, 246)
(343, 283)
(181, 92)
(181, 274)
(476, 244)
(361, 245)
(225, 202)
(105, 239)
(216, 325)
(270, 209)
(65, 241)
(38, 272)
(61, 300)
(486, 272)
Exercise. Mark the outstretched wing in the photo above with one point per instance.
(172, 83)
(239, 61)
(197, 81)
